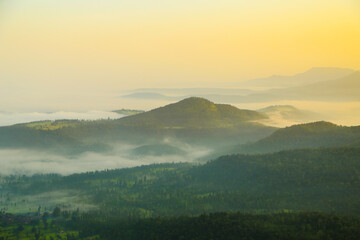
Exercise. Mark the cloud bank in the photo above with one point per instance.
(27, 162)
(10, 118)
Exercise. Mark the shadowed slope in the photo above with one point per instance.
(310, 135)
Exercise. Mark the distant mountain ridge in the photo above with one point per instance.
(313, 75)
(316, 84)
(341, 89)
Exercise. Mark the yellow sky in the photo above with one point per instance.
(48, 45)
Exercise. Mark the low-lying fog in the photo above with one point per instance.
(341, 113)
(10, 118)
(29, 162)
(32, 162)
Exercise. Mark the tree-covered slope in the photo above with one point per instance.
(310, 135)
(193, 112)
(325, 179)
(284, 226)
(157, 150)
(193, 120)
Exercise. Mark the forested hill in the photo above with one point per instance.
(193, 120)
(283, 170)
(325, 179)
(193, 112)
(309, 135)
(284, 226)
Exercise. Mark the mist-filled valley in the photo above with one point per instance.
(181, 120)
(84, 171)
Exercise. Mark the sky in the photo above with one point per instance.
(68, 54)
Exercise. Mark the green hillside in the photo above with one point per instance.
(157, 150)
(299, 180)
(193, 112)
(310, 135)
(193, 120)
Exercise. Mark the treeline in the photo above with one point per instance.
(308, 135)
(226, 226)
(222, 225)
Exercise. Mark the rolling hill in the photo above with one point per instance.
(193, 120)
(310, 135)
(193, 112)
(325, 179)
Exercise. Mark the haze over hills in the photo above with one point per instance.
(10, 118)
(316, 84)
(297, 180)
(171, 94)
(158, 150)
(288, 112)
(151, 95)
(342, 89)
(128, 112)
(179, 120)
(313, 75)
(193, 121)
(195, 91)
(287, 115)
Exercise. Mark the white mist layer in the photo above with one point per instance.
(9, 118)
(26, 162)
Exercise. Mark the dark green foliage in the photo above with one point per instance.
(299, 180)
(56, 212)
(29, 226)
(157, 150)
(280, 226)
(310, 135)
(227, 226)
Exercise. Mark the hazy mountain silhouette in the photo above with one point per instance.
(286, 115)
(342, 89)
(320, 84)
(313, 75)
